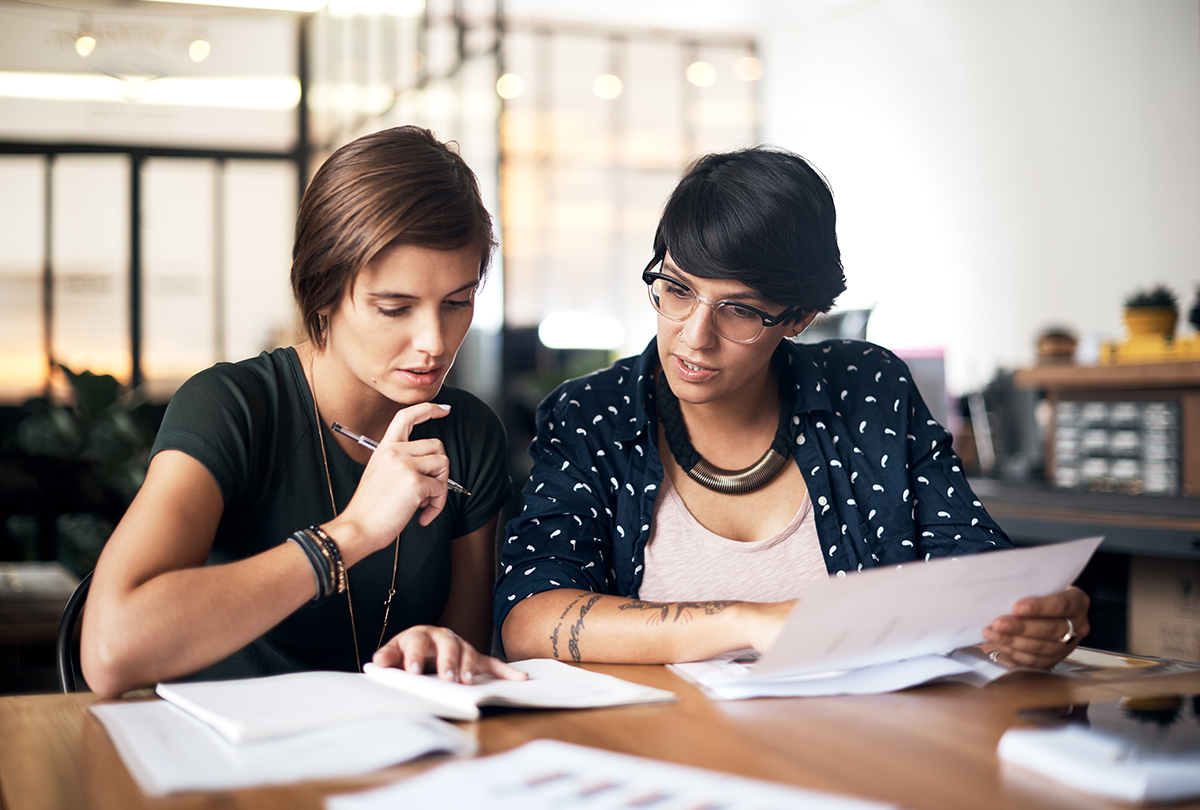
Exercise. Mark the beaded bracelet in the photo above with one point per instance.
(337, 569)
(318, 562)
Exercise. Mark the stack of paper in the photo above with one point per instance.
(168, 750)
(559, 776)
(887, 629)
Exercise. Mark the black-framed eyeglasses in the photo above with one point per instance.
(734, 321)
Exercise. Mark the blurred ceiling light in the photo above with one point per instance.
(581, 330)
(748, 68)
(701, 74)
(85, 44)
(302, 6)
(376, 8)
(199, 49)
(251, 92)
(375, 98)
(413, 61)
(509, 85)
(607, 86)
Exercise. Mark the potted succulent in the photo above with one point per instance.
(1151, 312)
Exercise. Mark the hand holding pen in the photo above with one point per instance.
(371, 445)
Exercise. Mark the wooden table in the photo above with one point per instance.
(926, 748)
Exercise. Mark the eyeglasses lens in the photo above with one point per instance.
(678, 303)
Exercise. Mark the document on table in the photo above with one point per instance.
(168, 750)
(560, 776)
(887, 629)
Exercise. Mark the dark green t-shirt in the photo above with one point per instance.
(252, 425)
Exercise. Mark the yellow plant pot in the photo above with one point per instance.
(1150, 321)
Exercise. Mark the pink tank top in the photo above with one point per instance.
(687, 562)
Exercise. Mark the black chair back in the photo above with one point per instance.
(64, 649)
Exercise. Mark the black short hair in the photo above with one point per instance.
(763, 216)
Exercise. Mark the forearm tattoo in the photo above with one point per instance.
(577, 628)
(557, 627)
(660, 612)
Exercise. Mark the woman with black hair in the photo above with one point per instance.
(681, 501)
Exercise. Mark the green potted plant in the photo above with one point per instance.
(86, 460)
(1151, 312)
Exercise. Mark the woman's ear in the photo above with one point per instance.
(796, 327)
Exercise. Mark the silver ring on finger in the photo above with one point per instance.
(1069, 637)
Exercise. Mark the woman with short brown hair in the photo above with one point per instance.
(263, 541)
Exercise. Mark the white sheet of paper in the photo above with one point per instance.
(893, 614)
(168, 750)
(561, 776)
(728, 680)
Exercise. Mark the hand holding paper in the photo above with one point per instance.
(889, 619)
(887, 615)
(1042, 630)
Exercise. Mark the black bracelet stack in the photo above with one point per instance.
(325, 558)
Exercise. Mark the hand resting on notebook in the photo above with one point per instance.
(441, 650)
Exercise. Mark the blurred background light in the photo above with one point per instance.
(251, 92)
(748, 68)
(607, 86)
(199, 49)
(701, 74)
(581, 330)
(509, 85)
(376, 8)
(302, 6)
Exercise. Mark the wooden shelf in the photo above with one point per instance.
(1095, 378)
(1136, 525)
(1172, 382)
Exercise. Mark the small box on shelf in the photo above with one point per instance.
(1164, 608)
(1122, 428)
(1128, 447)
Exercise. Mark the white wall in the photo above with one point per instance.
(999, 165)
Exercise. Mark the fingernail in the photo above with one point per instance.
(443, 407)
(468, 678)
(414, 667)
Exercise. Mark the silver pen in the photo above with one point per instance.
(371, 444)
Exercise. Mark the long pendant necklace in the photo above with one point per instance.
(387, 603)
(728, 482)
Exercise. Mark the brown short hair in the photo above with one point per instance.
(399, 186)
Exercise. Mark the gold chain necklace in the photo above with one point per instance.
(387, 603)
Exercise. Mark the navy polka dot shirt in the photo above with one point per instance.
(886, 487)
